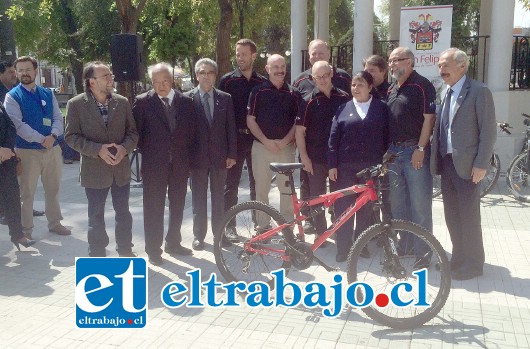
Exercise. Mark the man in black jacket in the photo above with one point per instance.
(166, 121)
(9, 190)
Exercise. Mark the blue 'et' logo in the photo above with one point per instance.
(111, 292)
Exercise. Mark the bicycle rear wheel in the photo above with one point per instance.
(486, 185)
(237, 263)
(492, 176)
(517, 177)
(383, 270)
(436, 186)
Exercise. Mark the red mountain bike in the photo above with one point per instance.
(263, 241)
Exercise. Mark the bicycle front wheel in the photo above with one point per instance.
(392, 262)
(233, 255)
(517, 177)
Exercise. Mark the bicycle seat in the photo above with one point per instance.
(285, 167)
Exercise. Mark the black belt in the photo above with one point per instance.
(243, 131)
(407, 143)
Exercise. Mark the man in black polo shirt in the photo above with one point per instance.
(313, 125)
(318, 51)
(272, 109)
(238, 84)
(411, 104)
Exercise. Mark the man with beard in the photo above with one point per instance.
(39, 122)
(8, 79)
(411, 104)
(238, 84)
(100, 126)
(318, 51)
(272, 109)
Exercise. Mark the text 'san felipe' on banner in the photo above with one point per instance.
(427, 32)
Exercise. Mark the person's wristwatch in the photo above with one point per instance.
(54, 136)
(420, 148)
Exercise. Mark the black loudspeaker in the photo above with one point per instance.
(126, 55)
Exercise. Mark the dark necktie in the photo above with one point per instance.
(206, 105)
(166, 103)
(444, 129)
(167, 109)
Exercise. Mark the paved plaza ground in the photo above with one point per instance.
(37, 292)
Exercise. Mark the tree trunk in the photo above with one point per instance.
(223, 37)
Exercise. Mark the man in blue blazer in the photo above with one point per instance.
(166, 121)
(218, 130)
(463, 140)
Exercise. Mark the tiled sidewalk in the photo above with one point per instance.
(37, 293)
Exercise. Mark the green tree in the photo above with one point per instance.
(60, 31)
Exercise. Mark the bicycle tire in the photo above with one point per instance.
(436, 186)
(486, 185)
(491, 178)
(234, 263)
(362, 269)
(518, 179)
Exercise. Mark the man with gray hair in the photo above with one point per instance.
(217, 125)
(167, 125)
(462, 144)
(411, 106)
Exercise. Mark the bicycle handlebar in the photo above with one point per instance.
(504, 126)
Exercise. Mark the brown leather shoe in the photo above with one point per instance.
(28, 236)
(61, 230)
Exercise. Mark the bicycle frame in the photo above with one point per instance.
(367, 194)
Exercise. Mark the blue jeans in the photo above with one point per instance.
(411, 194)
(97, 234)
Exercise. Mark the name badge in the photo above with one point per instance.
(47, 122)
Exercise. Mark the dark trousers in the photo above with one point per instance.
(10, 198)
(363, 218)
(317, 186)
(233, 177)
(156, 183)
(98, 238)
(68, 153)
(461, 199)
(199, 192)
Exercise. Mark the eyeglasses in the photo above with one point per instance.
(204, 73)
(396, 60)
(106, 76)
(322, 77)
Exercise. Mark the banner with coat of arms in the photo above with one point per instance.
(426, 31)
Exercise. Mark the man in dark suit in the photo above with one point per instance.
(167, 125)
(463, 140)
(100, 126)
(217, 125)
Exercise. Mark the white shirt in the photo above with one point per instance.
(457, 87)
(170, 96)
(362, 107)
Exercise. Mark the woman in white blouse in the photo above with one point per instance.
(358, 139)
